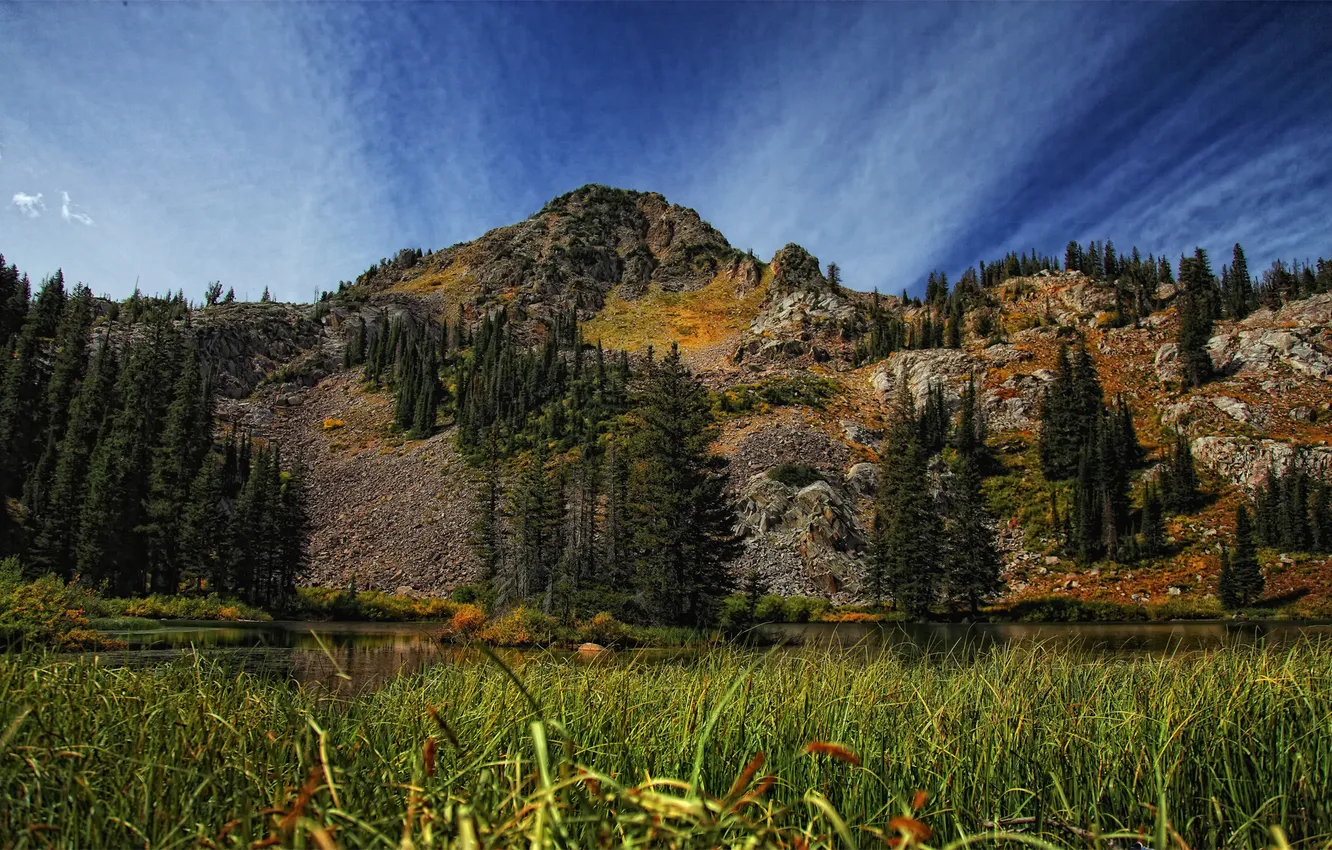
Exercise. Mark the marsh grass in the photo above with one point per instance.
(731, 749)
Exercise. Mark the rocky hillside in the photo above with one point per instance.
(778, 339)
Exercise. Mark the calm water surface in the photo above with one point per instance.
(373, 653)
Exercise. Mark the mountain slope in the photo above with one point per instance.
(777, 340)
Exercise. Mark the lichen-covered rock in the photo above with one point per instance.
(1245, 461)
(1233, 407)
(1015, 404)
(862, 479)
(801, 307)
(763, 504)
(241, 344)
(948, 368)
(857, 433)
(1167, 364)
(1257, 352)
(815, 527)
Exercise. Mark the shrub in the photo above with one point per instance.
(770, 609)
(464, 594)
(520, 627)
(330, 423)
(850, 617)
(803, 609)
(795, 474)
(733, 613)
(44, 612)
(161, 607)
(467, 620)
(603, 629)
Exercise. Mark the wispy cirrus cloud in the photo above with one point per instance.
(29, 205)
(291, 145)
(68, 215)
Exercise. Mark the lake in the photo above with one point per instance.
(371, 653)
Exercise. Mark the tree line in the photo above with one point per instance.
(632, 518)
(932, 540)
(108, 467)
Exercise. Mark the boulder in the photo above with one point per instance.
(763, 504)
(857, 433)
(1167, 364)
(1233, 407)
(863, 480)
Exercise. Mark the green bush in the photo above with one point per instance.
(45, 612)
(327, 603)
(795, 474)
(803, 609)
(162, 607)
(779, 391)
(733, 613)
(770, 609)
(465, 594)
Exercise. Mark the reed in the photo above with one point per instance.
(812, 748)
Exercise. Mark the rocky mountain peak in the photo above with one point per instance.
(794, 268)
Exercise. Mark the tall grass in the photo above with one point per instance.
(1207, 750)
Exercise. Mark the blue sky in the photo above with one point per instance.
(291, 145)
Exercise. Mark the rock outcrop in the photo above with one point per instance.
(802, 314)
(948, 368)
(817, 524)
(1245, 461)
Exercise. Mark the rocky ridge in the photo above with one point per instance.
(391, 513)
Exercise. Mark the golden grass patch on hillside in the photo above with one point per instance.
(449, 281)
(695, 319)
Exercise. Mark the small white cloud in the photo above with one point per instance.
(72, 216)
(29, 205)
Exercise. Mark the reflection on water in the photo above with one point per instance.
(371, 654)
(1121, 638)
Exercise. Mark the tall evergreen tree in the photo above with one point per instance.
(1246, 575)
(905, 553)
(1238, 291)
(974, 562)
(683, 526)
(1153, 524)
(1196, 311)
(203, 542)
(1179, 480)
(175, 464)
(89, 416)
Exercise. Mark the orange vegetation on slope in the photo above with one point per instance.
(695, 319)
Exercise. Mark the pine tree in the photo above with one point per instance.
(1071, 407)
(834, 277)
(616, 533)
(175, 463)
(111, 546)
(970, 434)
(1246, 575)
(536, 507)
(1153, 524)
(1239, 294)
(487, 526)
(682, 523)
(974, 562)
(1226, 589)
(69, 361)
(202, 545)
(89, 415)
(1179, 480)
(904, 558)
(23, 387)
(1196, 310)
